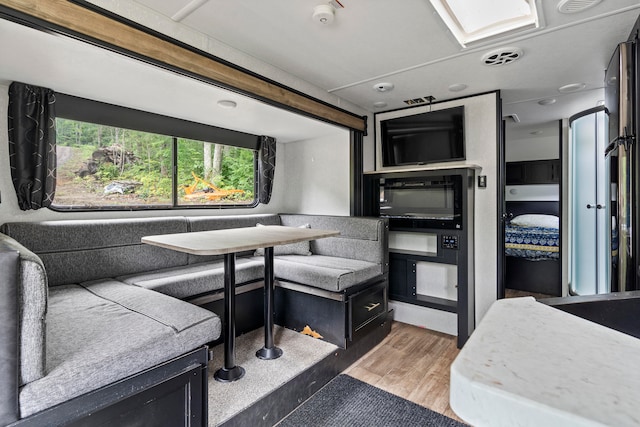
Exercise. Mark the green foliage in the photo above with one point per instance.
(107, 172)
(153, 156)
(237, 169)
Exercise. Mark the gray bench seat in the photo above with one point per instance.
(333, 274)
(191, 280)
(97, 306)
(98, 333)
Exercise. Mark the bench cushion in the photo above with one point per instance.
(105, 331)
(195, 279)
(324, 272)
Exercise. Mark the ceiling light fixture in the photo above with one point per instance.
(457, 87)
(473, 20)
(572, 87)
(547, 101)
(227, 103)
(383, 87)
(380, 104)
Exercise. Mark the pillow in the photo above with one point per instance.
(300, 248)
(536, 220)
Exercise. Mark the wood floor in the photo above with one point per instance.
(412, 363)
(513, 293)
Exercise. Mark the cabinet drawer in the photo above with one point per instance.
(367, 305)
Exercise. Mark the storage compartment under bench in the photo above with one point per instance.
(341, 318)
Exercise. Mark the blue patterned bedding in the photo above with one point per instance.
(533, 243)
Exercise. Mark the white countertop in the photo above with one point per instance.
(528, 364)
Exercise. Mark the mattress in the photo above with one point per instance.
(533, 243)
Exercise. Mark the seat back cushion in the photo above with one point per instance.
(360, 238)
(75, 251)
(32, 303)
(205, 223)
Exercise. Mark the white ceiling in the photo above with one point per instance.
(405, 43)
(76, 68)
(370, 41)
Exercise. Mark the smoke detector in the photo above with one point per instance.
(383, 87)
(502, 56)
(575, 6)
(323, 14)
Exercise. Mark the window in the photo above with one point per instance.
(475, 20)
(103, 166)
(214, 174)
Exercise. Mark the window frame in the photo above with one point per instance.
(85, 110)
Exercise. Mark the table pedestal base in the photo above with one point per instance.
(225, 375)
(269, 353)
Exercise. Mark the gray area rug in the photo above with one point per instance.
(346, 401)
(262, 376)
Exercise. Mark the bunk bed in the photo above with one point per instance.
(532, 251)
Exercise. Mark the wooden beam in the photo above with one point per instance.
(86, 22)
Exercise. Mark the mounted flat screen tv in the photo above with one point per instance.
(435, 136)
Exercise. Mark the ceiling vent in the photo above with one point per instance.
(503, 56)
(575, 6)
(415, 101)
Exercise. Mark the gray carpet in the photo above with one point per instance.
(346, 401)
(262, 376)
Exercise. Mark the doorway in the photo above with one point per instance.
(533, 210)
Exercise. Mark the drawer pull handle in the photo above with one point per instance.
(371, 306)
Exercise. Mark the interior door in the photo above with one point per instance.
(590, 243)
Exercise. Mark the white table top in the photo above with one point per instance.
(231, 240)
(528, 364)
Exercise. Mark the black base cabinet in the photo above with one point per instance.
(341, 318)
(172, 394)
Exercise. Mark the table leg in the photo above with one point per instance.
(269, 351)
(229, 372)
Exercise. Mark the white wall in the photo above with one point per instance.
(481, 151)
(317, 175)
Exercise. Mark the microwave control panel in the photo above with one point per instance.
(449, 242)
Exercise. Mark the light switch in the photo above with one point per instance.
(482, 181)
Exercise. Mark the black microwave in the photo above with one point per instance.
(422, 202)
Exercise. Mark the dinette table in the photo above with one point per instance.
(228, 242)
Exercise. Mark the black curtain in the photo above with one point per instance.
(32, 144)
(266, 168)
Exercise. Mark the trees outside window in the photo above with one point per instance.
(104, 166)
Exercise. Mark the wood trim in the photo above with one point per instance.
(104, 29)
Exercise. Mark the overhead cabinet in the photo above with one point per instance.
(534, 172)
